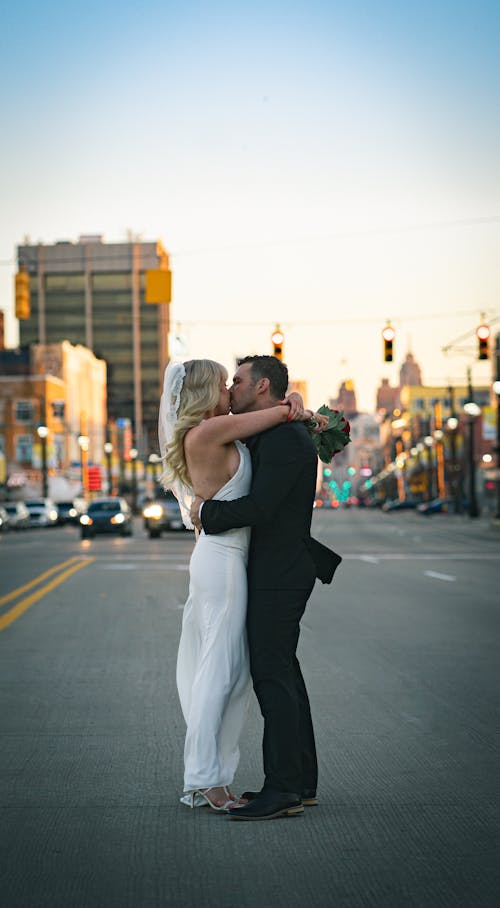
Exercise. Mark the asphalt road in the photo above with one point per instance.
(401, 657)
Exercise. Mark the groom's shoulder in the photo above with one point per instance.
(288, 435)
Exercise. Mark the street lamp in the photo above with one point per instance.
(42, 432)
(154, 460)
(133, 457)
(83, 443)
(108, 450)
(472, 410)
(452, 426)
(428, 441)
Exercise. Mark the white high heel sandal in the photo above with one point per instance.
(200, 798)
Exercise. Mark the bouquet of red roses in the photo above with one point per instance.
(334, 437)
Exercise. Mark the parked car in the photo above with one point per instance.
(106, 515)
(4, 520)
(19, 516)
(398, 505)
(42, 511)
(70, 511)
(161, 514)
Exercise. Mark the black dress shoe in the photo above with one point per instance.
(309, 798)
(250, 795)
(269, 805)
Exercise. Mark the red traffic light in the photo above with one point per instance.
(388, 335)
(277, 338)
(483, 338)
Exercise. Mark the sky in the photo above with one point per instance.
(325, 166)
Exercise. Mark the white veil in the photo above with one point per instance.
(169, 408)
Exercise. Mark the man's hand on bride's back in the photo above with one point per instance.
(194, 512)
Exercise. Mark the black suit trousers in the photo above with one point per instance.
(273, 624)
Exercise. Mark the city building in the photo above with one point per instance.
(93, 294)
(423, 406)
(346, 399)
(58, 386)
(387, 397)
(410, 372)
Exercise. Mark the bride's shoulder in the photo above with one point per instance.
(192, 434)
(198, 435)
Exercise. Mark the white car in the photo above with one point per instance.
(43, 512)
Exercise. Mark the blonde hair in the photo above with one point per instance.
(199, 394)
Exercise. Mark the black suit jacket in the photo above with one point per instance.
(278, 508)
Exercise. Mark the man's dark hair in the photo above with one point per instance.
(271, 368)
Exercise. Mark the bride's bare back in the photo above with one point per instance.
(210, 465)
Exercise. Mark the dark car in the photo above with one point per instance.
(161, 514)
(106, 515)
(42, 512)
(19, 516)
(70, 511)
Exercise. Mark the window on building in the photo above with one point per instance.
(58, 407)
(112, 281)
(64, 282)
(24, 411)
(24, 448)
(2, 412)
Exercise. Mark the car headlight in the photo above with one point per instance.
(53, 515)
(72, 512)
(153, 510)
(118, 518)
(86, 520)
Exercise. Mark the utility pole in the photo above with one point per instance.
(136, 335)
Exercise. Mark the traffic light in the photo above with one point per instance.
(483, 342)
(388, 335)
(22, 285)
(158, 286)
(277, 338)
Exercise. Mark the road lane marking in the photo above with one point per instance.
(27, 586)
(131, 566)
(371, 559)
(438, 576)
(14, 613)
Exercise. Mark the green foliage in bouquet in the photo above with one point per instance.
(335, 437)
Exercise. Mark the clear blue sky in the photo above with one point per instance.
(326, 165)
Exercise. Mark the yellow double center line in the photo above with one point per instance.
(72, 565)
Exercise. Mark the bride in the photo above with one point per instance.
(202, 452)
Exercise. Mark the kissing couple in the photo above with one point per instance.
(243, 467)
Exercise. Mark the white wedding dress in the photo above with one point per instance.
(213, 674)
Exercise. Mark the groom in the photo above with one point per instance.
(283, 564)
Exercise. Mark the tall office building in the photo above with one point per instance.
(93, 293)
